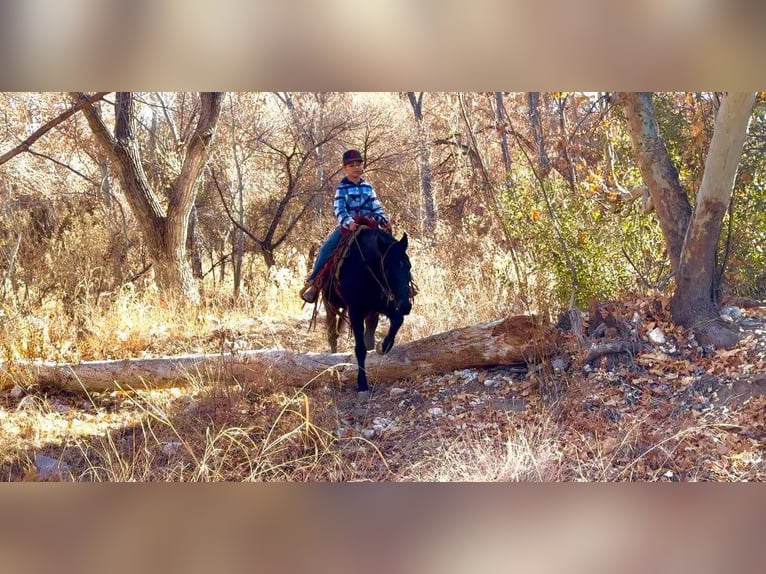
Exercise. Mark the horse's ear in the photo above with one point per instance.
(404, 241)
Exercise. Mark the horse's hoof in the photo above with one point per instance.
(385, 347)
(363, 396)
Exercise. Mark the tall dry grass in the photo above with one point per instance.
(215, 432)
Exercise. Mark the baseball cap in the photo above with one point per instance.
(351, 155)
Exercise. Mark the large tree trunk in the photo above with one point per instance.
(164, 233)
(509, 341)
(658, 172)
(693, 303)
(692, 241)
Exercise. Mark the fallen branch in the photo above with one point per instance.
(598, 351)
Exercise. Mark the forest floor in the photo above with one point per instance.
(675, 411)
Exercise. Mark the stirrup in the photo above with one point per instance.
(309, 293)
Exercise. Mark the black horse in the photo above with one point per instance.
(374, 278)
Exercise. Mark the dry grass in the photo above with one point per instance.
(209, 431)
(528, 455)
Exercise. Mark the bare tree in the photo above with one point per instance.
(501, 127)
(543, 163)
(164, 230)
(424, 163)
(288, 209)
(567, 168)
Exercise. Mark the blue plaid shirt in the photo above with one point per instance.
(353, 199)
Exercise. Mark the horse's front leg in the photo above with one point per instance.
(370, 324)
(388, 341)
(360, 350)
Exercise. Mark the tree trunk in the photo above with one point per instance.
(543, 163)
(501, 125)
(237, 256)
(424, 164)
(658, 172)
(509, 341)
(693, 303)
(692, 240)
(567, 169)
(164, 233)
(192, 245)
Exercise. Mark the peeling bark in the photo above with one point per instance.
(693, 304)
(692, 239)
(658, 172)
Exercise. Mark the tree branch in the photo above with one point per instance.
(236, 223)
(65, 166)
(25, 145)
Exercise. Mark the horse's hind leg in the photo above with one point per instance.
(332, 323)
(370, 324)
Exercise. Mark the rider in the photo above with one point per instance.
(353, 196)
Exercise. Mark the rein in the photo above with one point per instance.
(387, 292)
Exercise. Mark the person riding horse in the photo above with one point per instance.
(374, 277)
(354, 196)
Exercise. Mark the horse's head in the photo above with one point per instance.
(396, 268)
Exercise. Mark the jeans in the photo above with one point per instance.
(325, 251)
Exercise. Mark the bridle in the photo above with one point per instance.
(388, 293)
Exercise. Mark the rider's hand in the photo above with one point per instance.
(352, 226)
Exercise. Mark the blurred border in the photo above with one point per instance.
(341, 45)
(382, 45)
(418, 528)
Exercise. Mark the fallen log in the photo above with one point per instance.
(509, 341)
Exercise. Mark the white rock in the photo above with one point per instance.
(436, 412)
(380, 424)
(369, 433)
(656, 336)
(559, 365)
(396, 391)
(731, 312)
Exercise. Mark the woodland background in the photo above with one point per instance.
(149, 224)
